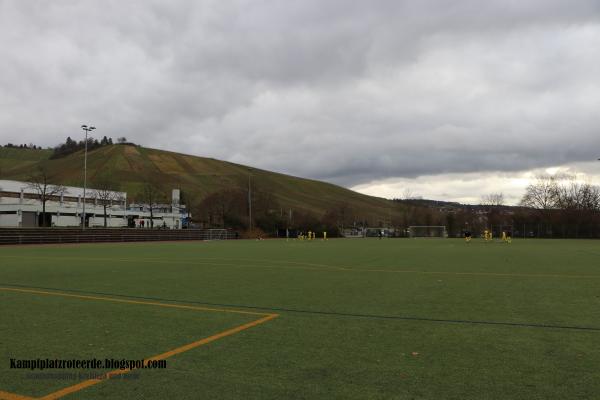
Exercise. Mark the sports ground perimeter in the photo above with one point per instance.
(358, 319)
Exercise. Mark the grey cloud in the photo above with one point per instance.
(344, 91)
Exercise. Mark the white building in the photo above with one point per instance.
(20, 206)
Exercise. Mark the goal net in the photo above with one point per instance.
(427, 231)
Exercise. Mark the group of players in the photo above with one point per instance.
(310, 235)
(488, 236)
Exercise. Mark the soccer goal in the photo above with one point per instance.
(427, 232)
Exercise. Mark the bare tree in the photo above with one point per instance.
(214, 206)
(151, 195)
(493, 200)
(189, 200)
(44, 190)
(542, 193)
(344, 214)
(493, 203)
(106, 191)
(566, 203)
(226, 208)
(574, 195)
(591, 198)
(408, 194)
(577, 203)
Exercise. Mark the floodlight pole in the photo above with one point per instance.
(87, 129)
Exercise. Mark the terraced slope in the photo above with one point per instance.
(196, 176)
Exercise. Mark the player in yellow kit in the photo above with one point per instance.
(467, 236)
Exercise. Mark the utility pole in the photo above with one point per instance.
(249, 201)
(87, 129)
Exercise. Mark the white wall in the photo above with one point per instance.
(172, 220)
(111, 222)
(65, 220)
(9, 220)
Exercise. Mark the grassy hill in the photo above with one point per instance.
(197, 177)
(16, 158)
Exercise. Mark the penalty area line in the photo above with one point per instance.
(265, 317)
(340, 314)
(91, 382)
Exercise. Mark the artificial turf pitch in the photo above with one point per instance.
(347, 319)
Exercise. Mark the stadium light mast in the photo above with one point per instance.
(87, 130)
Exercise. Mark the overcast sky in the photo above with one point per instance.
(449, 99)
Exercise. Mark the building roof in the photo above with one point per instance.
(71, 191)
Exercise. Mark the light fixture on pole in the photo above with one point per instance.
(87, 130)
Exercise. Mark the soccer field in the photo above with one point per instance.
(347, 319)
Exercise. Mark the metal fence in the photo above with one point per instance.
(549, 231)
(99, 235)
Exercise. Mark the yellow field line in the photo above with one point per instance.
(148, 303)
(12, 396)
(312, 267)
(90, 382)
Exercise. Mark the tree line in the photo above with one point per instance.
(553, 206)
(23, 146)
(561, 206)
(71, 146)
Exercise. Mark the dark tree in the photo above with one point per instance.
(44, 190)
(151, 195)
(71, 146)
(105, 191)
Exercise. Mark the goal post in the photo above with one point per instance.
(427, 231)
